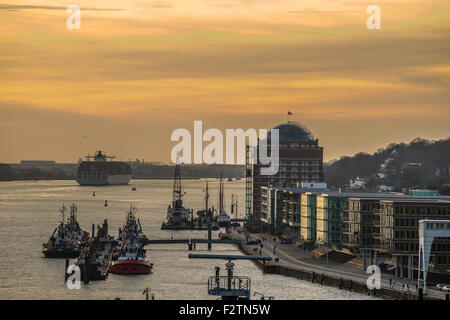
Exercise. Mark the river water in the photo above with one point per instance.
(29, 211)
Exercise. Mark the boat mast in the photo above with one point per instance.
(206, 195)
(221, 195)
(63, 211)
(177, 182)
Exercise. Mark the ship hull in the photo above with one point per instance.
(120, 179)
(131, 267)
(59, 253)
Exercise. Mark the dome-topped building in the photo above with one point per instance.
(300, 161)
(293, 131)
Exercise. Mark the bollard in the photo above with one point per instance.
(66, 275)
(86, 269)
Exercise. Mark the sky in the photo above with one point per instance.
(137, 70)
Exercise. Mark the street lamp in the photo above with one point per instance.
(324, 244)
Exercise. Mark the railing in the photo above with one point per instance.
(221, 284)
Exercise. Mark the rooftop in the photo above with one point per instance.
(293, 131)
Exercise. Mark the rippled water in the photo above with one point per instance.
(29, 213)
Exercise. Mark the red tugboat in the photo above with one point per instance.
(131, 259)
(131, 255)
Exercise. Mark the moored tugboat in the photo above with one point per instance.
(67, 240)
(131, 254)
(131, 259)
(133, 228)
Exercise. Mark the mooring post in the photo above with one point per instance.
(350, 285)
(86, 269)
(264, 266)
(93, 230)
(66, 275)
(209, 237)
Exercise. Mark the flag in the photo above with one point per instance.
(289, 113)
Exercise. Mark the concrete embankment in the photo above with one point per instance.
(328, 280)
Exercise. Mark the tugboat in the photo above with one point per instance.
(132, 228)
(131, 259)
(223, 218)
(178, 217)
(74, 227)
(67, 240)
(131, 255)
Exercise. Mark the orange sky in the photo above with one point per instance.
(137, 70)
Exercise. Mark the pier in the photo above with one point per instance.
(96, 258)
(192, 242)
(229, 287)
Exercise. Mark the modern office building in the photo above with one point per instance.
(399, 234)
(300, 160)
(381, 225)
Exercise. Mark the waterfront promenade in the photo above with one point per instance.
(297, 259)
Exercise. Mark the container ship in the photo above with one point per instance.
(102, 170)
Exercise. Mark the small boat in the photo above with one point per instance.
(223, 219)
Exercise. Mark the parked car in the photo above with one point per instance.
(284, 241)
(253, 242)
(443, 287)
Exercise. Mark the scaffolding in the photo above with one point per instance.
(248, 184)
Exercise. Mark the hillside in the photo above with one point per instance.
(420, 164)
